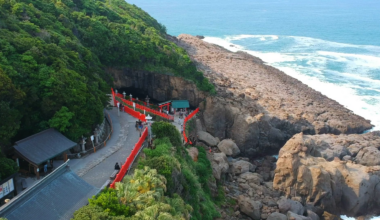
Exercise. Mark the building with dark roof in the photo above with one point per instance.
(40, 148)
(57, 196)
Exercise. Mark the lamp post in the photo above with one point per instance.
(147, 100)
(130, 96)
(124, 94)
(148, 120)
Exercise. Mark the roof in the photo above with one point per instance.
(163, 103)
(43, 146)
(180, 104)
(56, 198)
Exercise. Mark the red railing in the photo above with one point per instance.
(128, 162)
(184, 124)
(141, 107)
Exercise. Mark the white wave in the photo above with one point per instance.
(346, 96)
(344, 217)
(246, 36)
(319, 43)
(314, 74)
(359, 59)
(224, 43)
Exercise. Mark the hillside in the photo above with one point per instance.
(53, 55)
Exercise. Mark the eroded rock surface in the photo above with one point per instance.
(336, 186)
(229, 147)
(259, 106)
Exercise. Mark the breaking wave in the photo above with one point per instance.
(347, 73)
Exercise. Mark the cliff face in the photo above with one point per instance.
(259, 106)
(306, 167)
(158, 86)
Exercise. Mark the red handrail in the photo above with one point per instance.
(141, 107)
(184, 124)
(128, 162)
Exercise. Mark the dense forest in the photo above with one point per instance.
(52, 59)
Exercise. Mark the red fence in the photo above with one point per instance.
(128, 162)
(184, 124)
(141, 107)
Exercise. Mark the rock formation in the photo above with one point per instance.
(259, 106)
(158, 86)
(311, 167)
(229, 147)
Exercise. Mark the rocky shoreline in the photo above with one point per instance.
(259, 106)
(325, 167)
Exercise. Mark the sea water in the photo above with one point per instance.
(332, 46)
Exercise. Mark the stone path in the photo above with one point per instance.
(97, 167)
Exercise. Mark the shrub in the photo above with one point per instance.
(164, 129)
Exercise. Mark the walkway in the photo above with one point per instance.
(96, 168)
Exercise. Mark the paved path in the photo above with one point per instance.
(97, 167)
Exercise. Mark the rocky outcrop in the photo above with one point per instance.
(161, 87)
(207, 138)
(193, 153)
(250, 207)
(219, 164)
(241, 166)
(360, 148)
(336, 186)
(229, 147)
(259, 106)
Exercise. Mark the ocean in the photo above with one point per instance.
(332, 46)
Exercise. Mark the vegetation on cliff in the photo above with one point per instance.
(168, 184)
(52, 59)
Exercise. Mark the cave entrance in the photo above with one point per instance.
(138, 93)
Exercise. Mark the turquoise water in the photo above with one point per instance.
(331, 45)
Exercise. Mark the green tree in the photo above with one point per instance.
(61, 119)
(7, 167)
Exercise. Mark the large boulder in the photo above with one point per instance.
(193, 153)
(219, 164)
(241, 166)
(294, 216)
(229, 147)
(277, 216)
(285, 205)
(207, 138)
(250, 207)
(338, 187)
(252, 178)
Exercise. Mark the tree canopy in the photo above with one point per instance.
(53, 55)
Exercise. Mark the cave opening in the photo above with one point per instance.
(138, 93)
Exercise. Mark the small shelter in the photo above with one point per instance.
(40, 148)
(175, 105)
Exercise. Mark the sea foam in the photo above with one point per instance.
(347, 73)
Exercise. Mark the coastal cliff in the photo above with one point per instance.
(158, 86)
(259, 106)
(337, 173)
